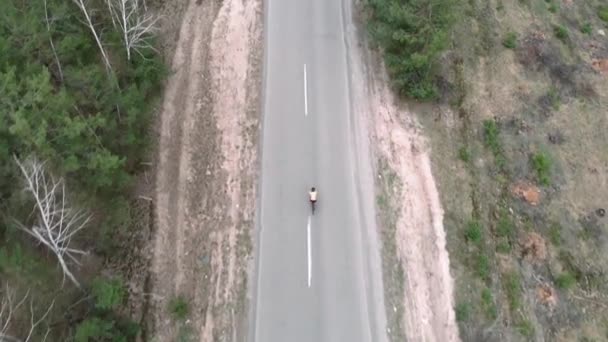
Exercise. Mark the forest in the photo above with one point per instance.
(78, 82)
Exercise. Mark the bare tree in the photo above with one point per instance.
(83, 8)
(111, 11)
(9, 305)
(136, 24)
(56, 222)
(48, 28)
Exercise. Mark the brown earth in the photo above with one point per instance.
(205, 182)
(528, 192)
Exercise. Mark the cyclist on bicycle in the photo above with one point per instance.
(312, 194)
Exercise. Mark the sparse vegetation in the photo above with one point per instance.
(463, 312)
(561, 33)
(555, 234)
(464, 154)
(542, 165)
(179, 309)
(487, 301)
(505, 227)
(513, 290)
(503, 247)
(554, 98)
(482, 264)
(491, 139)
(552, 8)
(473, 232)
(393, 273)
(525, 327)
(547, 91)
(510, 40)
(586, 28)
(602, 12)
(565, 280)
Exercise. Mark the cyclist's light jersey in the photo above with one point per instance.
(313, 195)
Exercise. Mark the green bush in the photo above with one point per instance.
(96, 329)
(510, 40)
(487, 301)
(552, 8)
(513, 290)
(586, 28)
(473, 232)
(565, 280)
(178, 307)
(555, 234)
(482, 266)
(491, 137)
(464, 154)
(108, 293)
(412, 35)
(602, 12)
(463, 312)
(542, 164)
(505, 226)
(560, 32)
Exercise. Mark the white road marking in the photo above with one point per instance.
(305, 93)
(309, 253)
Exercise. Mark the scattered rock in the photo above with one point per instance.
(600, 65)
(526, 191)
(601, 32)
(533, 247)
(601, 212)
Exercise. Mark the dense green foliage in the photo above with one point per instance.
(60, 104)
(86, 123)
(412, 34)
(102, 324)
(108, 294)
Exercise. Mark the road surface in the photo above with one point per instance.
(314, 278)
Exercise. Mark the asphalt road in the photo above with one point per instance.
(314, 278)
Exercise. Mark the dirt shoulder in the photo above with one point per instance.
(417, 280)
(205, 183)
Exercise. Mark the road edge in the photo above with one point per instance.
(363, 172)
(250, 323)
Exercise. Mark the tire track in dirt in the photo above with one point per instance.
(205, 173)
